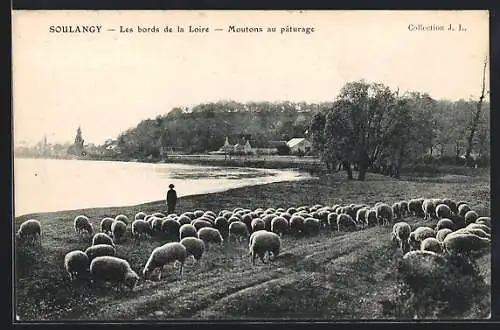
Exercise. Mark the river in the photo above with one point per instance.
(48, 185)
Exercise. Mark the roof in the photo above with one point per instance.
(293, 142)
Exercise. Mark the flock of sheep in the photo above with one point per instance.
(458, 230)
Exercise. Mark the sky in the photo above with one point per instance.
(108, 82)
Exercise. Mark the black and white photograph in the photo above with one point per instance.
(246, 165)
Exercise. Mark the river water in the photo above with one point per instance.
(47, 185)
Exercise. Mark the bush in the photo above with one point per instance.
(444, 289)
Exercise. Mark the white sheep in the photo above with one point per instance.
(194, 247)
(199, 223)
(280, 226)
(361, 216)
(419, 234)
(187, 230)
(443, 211)
(238, 231)
(484, 221)
(100, 250)
(415, 207)
(159, 215)
(82, 225)
(140, 215)
(442, 233)
(474, 231)
(480, 226)
(462, 243)
(384, 213)
(401, 233)
(140, 229)
(463, 209)
(102, 238)
(113, 269)
(259, 224)
(311, 226)
(470, 217)
(118, 229)
(445, 223)
(263, 241)
(76, 264)
(431, 244)
(162, 255)
(123, 218)
(106, 225)
(345, 223)
(210, 235)
(429, 209)
(32, 229)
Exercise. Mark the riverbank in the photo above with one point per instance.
(329, 276)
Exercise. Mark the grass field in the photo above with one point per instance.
(331, 276)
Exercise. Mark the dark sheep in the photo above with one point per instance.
(345, 223)
(102, 238)
(99, 250)
(187, 230)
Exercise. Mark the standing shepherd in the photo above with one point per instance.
(171, 199)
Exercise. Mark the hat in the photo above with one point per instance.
(170, 185)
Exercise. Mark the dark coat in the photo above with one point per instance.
(171, 196)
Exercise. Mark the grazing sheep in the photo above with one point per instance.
(194, 247)
(461, 202)
(238, 231)
(208, 219)
(113, 269)
(184, 219)
(484, 221)
(123, 218)
(418, 266)
(332, 221)
(311, 226)
(99, 250)
(102, 238)
(259, 224)
(401, 233)
(106, 225)
(463, 209)
(211, 214)
(484, 228)
(32, 229)
(396, 210)
(442, 233)
(76, 264)
(451, 204)
(198, 213)
(267, 220)
(190, 215)
(140, 216)
(371, 218)
(474, 231)
(296, 224)
(82, 225)
(247, 220)
(361, 216)
(170, 228)
(156, 225)
(443, 211)
(445, 223)
(264, 241)
(158, 215)
(291, 210)
(415, 207)
(403, 208)
(429, 209)
(419, 234)
(210, 235)
(162, 255)
(470, 217)
(280, 226)
(118, 229)
(187, 230)
(198, 224)
(461, 243)
(431, 244)
(345, 223)
(222, 225)
(140, 229)
(384, 213)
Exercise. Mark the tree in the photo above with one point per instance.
(476, 116)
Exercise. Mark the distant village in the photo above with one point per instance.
(242, 144)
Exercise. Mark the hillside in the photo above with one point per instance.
(330, 276)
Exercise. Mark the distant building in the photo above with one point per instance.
(298, 145)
